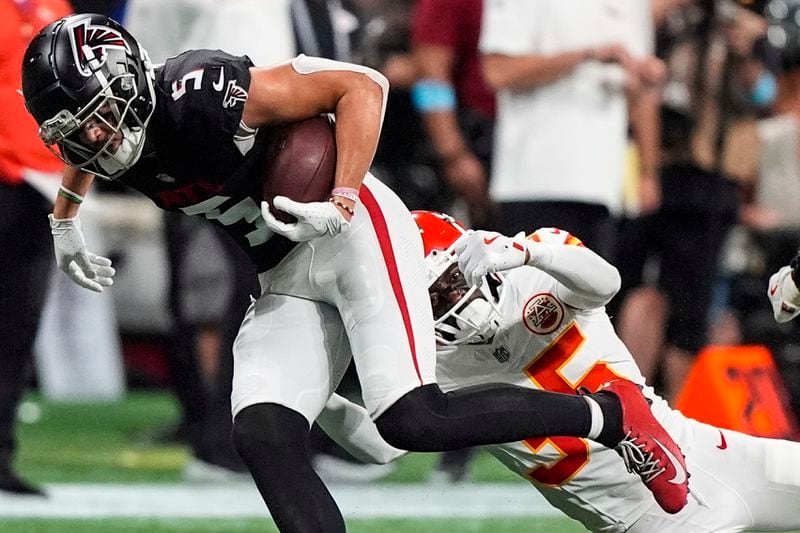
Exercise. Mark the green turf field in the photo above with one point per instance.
(100, 442)
(112, 443)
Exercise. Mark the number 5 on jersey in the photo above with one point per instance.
(546, 372)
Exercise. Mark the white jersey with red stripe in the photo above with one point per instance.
(543, 343)
(362, 292)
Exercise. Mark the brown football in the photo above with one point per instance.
(301, 163)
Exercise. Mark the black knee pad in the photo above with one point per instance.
(412, 422)
(263, 427)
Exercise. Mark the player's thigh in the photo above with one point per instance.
(657, 521)
(741, 483)
(714, 506)
(773, 489)
(290, 351)
(381, 294)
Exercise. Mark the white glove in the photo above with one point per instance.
(483, 252)
(314, 219)
(88, 270)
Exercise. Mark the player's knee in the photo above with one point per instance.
(265, 429)
(412, 422)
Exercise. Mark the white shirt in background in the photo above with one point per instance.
(564, 140)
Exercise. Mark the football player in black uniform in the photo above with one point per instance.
(192, 135)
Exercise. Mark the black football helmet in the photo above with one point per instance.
(87, 70)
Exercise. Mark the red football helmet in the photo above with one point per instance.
(463, 313)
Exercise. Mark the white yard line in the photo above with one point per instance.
(242, 500)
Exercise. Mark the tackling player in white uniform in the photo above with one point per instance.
(542, 324)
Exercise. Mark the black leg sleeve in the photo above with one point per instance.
(273, 441)
(429, 420)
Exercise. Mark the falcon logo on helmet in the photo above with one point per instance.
(462, 313)
(86, 73)
(89, 44)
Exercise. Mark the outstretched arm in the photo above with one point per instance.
(586, 280)
(76, 181)
(88, 270)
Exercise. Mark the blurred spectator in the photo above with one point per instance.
(27, 257)
(718, 84)
(456, 105)
(567, 80)
(262, 30)
(773, 216)
(404, 160)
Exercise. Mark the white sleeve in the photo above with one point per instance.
(511, 27)
(303, 64)
(586, 280)
(783, 295)
(351, 427)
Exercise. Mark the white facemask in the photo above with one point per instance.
(477, 320)
(126, 155)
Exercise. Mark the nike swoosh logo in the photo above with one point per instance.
(723, 443)
(773, 290)
(680, 473)
(221, 81)
(489, 241)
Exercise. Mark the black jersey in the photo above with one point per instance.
(193, 159)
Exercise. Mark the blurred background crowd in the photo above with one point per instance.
(663, 133)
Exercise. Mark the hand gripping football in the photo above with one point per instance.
(300, 163)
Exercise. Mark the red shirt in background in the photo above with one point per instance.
(456, 24)
(20, 146)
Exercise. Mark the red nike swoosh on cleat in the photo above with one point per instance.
(773, 290)
(723, 443)
(490, 241)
